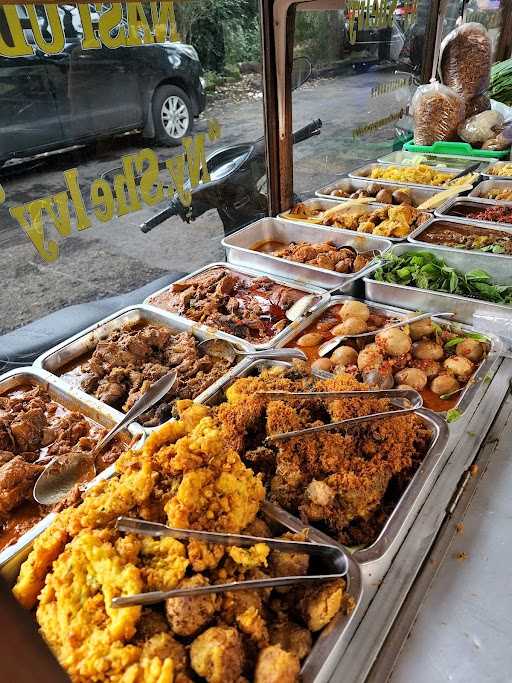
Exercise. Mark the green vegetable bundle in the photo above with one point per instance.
(424, 270)
(500, 88)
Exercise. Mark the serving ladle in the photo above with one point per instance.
(331, 344)
(68, 469)
(220, 348)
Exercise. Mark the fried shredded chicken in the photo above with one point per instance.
(340, 480)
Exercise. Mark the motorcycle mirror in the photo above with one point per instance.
(301, 71)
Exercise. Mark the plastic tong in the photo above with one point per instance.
(330, 553)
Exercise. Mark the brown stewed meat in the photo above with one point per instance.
(125, 365)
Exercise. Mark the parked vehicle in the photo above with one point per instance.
(47, 100)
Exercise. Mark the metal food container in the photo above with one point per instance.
(365, 172)
(332, 641)
(85, 342)
(446, 209)
(419, 194)
(415, 236)
(488, 173)
(467, 394)
(325, 204)
(209, 332)
(399, 522)
(12, 555)
(462, 307)
(485, 186)
(404, 158)
(240, 250)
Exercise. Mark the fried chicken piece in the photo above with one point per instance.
(150, 624)
(164, 646)
(165, 562)
(250, 558)
(292, 638)
(289, 564)
(188, 615)
(203, 556)
(276, 666)
(319, 604)
(217, 655)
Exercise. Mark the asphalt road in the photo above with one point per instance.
(116, 257)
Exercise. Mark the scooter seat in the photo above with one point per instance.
(24, 345)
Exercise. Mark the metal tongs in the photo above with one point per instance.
(413, 397)
(334, 555)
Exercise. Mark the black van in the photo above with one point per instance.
(54, 101)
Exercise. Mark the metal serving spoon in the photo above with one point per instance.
(69, 469)
(220, 348)
(331, 344)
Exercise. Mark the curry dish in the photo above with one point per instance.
(33, 430)
(124, 365)
(186, 476)
(347, 483)
(252, 308)
(325, 255)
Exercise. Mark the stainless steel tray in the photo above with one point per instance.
(412, 498)
(487, 185)
(462, 307)
(239, 250)
(332, 641)
(415, 236)
(471, 388)
(211, 332)
(419, 194)
(12, 555)
(404, 158)
(488, 172)
(324, 204)
(85, 342)
(444, 209)
(365, 171)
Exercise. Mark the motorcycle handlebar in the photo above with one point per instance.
(160, 217)
(308, 131)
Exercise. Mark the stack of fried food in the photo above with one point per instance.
(348, 483)
(188, 477)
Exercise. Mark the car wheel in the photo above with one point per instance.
(172, 115)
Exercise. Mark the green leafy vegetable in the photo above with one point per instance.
(424, 270)
(453, 415)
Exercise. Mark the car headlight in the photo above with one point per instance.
(189, 51)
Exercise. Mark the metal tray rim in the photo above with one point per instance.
(494, 181)
(309, 289)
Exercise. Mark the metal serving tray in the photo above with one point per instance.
(462, 307)
(444, 211)
(415, 236)
(85, 342)
(332, 641)
(487, 173)
(365, 171)
(419, 194)
(404, 158)
(239, 250)
(209, 332)
(479, 191)
(471, 388)
(324, 204)
(12, 555)
(413, 497)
